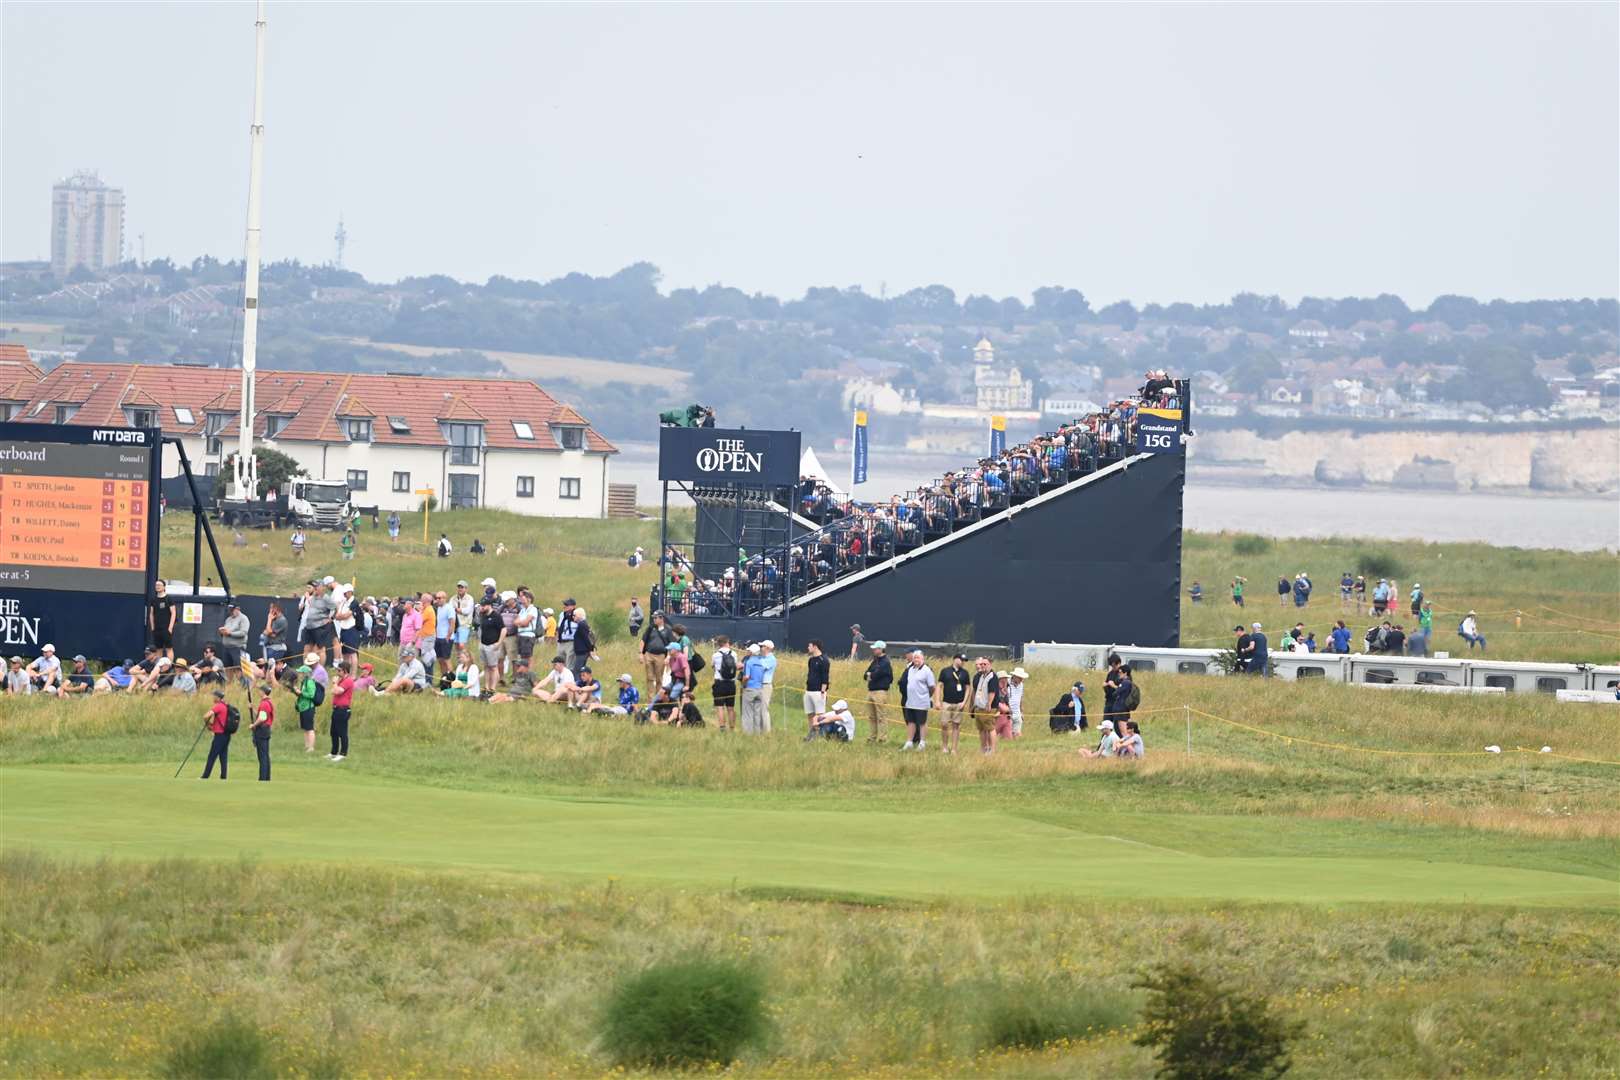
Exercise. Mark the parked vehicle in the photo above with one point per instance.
(314, 504)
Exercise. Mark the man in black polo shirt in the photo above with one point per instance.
(879, 677)
(953, 690)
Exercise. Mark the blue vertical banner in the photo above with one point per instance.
(998, 435)
(857, 461)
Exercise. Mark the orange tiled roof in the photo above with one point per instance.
(314, 400)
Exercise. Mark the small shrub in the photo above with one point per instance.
(1033, 1017)
(684, 1014)
(1200, 1029)
(230, 1048)
(1378, 564)
(1405, 949)
(1249, 544)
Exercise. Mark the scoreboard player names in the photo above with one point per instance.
(76, 516)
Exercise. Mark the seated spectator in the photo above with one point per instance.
(1069, 714)
(79, 680)
(366, 680)
(1130, 744)
(17, 680)
(838, 724)
(210, 668)
(411, 678)
(458, 685)
(560, 681)
(147, 671)
(1469, 631)
(184, 681)
(117, 677)
(629, 699)
(521, 686)
(662, 709)
(586, 691)
(1106, 745)
(691, 715)
(45, 670)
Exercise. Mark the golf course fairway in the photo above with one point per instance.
(135, 813)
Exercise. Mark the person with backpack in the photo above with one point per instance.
(310, 693)
(724, 688)
(222, 720)
(655, 643)
(1127, 698)
(264, 718)
(342, 700)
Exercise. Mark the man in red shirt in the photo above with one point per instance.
(264, 718)
(218, 750)
(342, 699)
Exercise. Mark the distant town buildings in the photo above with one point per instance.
(998, 386)
(87, 225)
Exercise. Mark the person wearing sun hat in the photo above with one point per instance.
(1015, 700)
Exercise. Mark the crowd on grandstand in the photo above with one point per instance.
(852, 535)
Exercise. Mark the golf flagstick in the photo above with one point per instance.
(194, 743)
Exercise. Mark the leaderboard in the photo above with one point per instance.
(77, 508)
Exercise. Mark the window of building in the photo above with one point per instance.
(571, 438)
(213, 446)
(64, 413)
(463, 491)
(9, 409)
(358, 428)
(402, 481)
(141, 417)
(399, 425)
(274, 425)
(525, 487)
(216, 422)
(357, 479)
(465, 441)
(568, 487)
(522, 430)
(211, 469)
(183, 415)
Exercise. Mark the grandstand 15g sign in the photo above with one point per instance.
(716, 455)
(1158, 431)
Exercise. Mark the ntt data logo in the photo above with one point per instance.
(729, 456)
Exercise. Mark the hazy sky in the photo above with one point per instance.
(1154, 153)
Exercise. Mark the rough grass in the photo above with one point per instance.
(107, 965)
(1567, 603)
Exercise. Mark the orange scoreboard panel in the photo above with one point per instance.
(78, 512)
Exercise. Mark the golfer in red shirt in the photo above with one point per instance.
(220, 749)
(264, 718)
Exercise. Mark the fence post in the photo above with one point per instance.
(1187, 710)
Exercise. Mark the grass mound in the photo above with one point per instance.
(229, 1048)
(1249, 544)
(685, 1014)
(1379, 564)
(1033, 1017)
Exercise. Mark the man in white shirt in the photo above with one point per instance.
(838, 725)
(1108, 744)
(45, 670)
(1015, 699)
(560, 681)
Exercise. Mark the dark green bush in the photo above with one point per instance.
(1033, 1017)
(684, 1014)
(1249, 544)
(230, 1048)
(1200, 1029)
(1378, 564)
